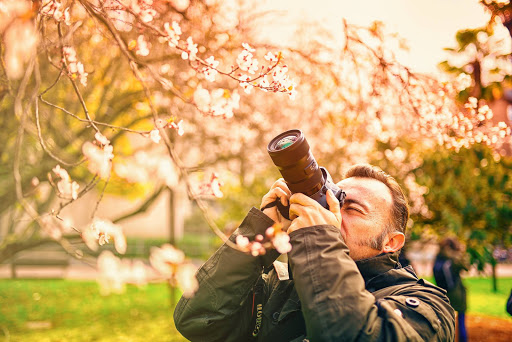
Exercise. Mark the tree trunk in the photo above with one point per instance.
(10, 249)
(494, 278)
(477, 74)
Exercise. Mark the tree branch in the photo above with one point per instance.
(148, 202)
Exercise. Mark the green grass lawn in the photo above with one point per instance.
(481, 298)
(66, 310)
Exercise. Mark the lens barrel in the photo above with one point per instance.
(291, 154)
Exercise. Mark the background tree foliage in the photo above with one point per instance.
(469, 196)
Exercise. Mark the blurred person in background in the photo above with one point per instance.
(450, 262)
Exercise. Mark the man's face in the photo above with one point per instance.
(365, 214)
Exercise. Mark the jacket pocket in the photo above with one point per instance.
(280, 313)
(284, 323)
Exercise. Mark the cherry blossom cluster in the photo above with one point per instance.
(53, 9)
(101, 231)
(280, 81)
(114, 273)
(99, 155)
(463, 81)
(140, 45)
(190, 51)
(274, 237)
(210, 70)
(74, 67)
(154, 134)
(122, 12)
(255, 77)
(142, 8)
(450, 126)
(212, 187)
(19, 36)
(498, 2)
(166, 261)
(273, 78)
(218, 102)
(417, 201)
(170, 263)
(66, 188)
(172, 34)
(11, 9)
(55, 227)
(245, 60)
(143, 167)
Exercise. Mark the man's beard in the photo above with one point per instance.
(375, 242)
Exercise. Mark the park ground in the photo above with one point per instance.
(488, 328)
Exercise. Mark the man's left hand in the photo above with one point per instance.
(306, 212)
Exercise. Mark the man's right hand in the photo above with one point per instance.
(278, 190)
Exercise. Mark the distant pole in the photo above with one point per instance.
(172, 237)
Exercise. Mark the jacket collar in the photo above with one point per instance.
(374, 266)
(384, 270)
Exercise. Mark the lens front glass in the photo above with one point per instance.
(285, 142)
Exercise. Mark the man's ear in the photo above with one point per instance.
(393, 242)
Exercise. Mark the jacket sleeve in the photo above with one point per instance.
(337, 307)
(221, 308)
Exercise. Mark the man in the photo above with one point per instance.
(450, 262)
(344, 284)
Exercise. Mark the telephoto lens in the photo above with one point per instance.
(291, 154)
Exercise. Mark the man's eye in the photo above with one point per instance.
(355, 209)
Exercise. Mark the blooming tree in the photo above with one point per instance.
(165, 73)
(151, 91)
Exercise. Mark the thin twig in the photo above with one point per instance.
(91, 121)
(95, 180)
(73, 83)
(43, 144)
(72, 227)
(101, 196)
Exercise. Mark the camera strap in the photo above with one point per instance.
(284, 210)
(257, 309)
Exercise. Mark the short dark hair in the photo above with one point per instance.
(400, 208)
(451, 243)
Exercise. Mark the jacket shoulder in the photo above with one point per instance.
(422, 306)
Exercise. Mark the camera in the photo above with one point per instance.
(291, 154)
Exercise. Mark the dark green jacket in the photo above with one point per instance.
(330, 298)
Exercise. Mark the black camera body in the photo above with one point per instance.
(321, 195)
(291, 154)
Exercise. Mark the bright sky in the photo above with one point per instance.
(427, 25)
